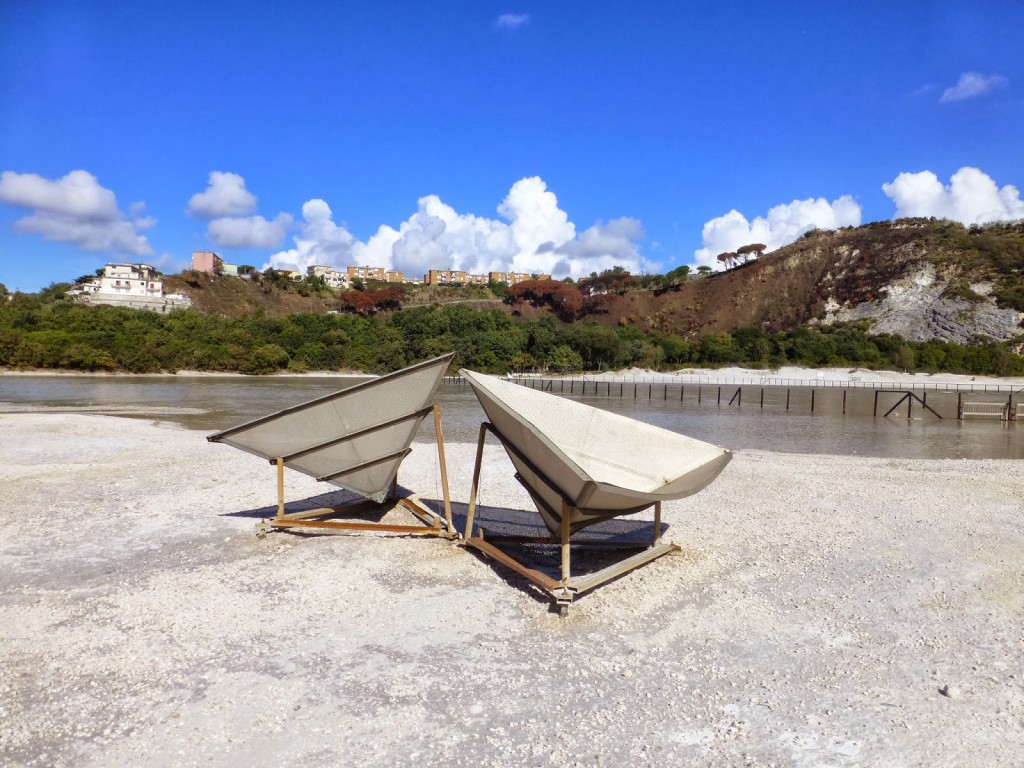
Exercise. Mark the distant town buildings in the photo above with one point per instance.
(138, 285)
(210, 263)
(129, 285)
(457, 277)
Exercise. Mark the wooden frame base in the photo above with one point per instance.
(432, 524)
(562, 591)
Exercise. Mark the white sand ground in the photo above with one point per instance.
(819, 605)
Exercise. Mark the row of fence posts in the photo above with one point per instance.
(907, 396)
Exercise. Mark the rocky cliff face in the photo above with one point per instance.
(919, 279)
(916, 306)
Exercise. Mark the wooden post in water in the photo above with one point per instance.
(787, 399)
(682, 388)
(812, 401)
(844, 402)
(664, 395)
(762, 397)
(959, 405)
(650, 388)
(698, 395)
(719, 395)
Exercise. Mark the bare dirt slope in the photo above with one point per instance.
(235, 297)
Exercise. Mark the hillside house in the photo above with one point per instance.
(129, 285)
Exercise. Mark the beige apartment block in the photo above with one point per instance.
(511, 278)
(445, 277)
(367, 273)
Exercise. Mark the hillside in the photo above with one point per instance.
(916, 278)
(234, 297)
(920, 279)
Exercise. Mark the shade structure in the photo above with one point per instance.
(355, 438)
(588, 462)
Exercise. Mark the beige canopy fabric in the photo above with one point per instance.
(355, 438)
(601, 464)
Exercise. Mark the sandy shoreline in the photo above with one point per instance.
(855, 376)
(817, 608)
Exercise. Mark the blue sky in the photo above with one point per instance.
(563, 136)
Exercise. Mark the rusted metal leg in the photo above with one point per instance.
(444, 467)
(476, 481)
(566, 513)
(657, 523)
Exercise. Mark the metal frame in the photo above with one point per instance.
(562, 591)
(432, 523)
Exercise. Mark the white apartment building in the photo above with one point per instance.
(332, 277)
(131, 280)
(130, 285)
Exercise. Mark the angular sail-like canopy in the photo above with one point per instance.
(355, 438)
(601, 464)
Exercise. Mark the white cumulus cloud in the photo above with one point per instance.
(533, 235)
(319, 241)
(782, 225)
(225, 195)
(971, 85)
(971, 197)
(604, 246)
(234, 222)
(249, 231)
(76, 209)
(512, 20)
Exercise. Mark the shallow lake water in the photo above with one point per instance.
(757, 418)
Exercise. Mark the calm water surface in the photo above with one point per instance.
(208, 404)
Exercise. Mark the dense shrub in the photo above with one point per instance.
(56, 334)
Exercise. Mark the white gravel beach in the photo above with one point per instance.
(823, 611)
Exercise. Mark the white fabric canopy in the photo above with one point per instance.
(355, 438)
(602, 464)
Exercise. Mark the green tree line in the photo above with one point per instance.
(43, 331)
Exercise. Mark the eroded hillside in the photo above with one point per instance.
(919, 279)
